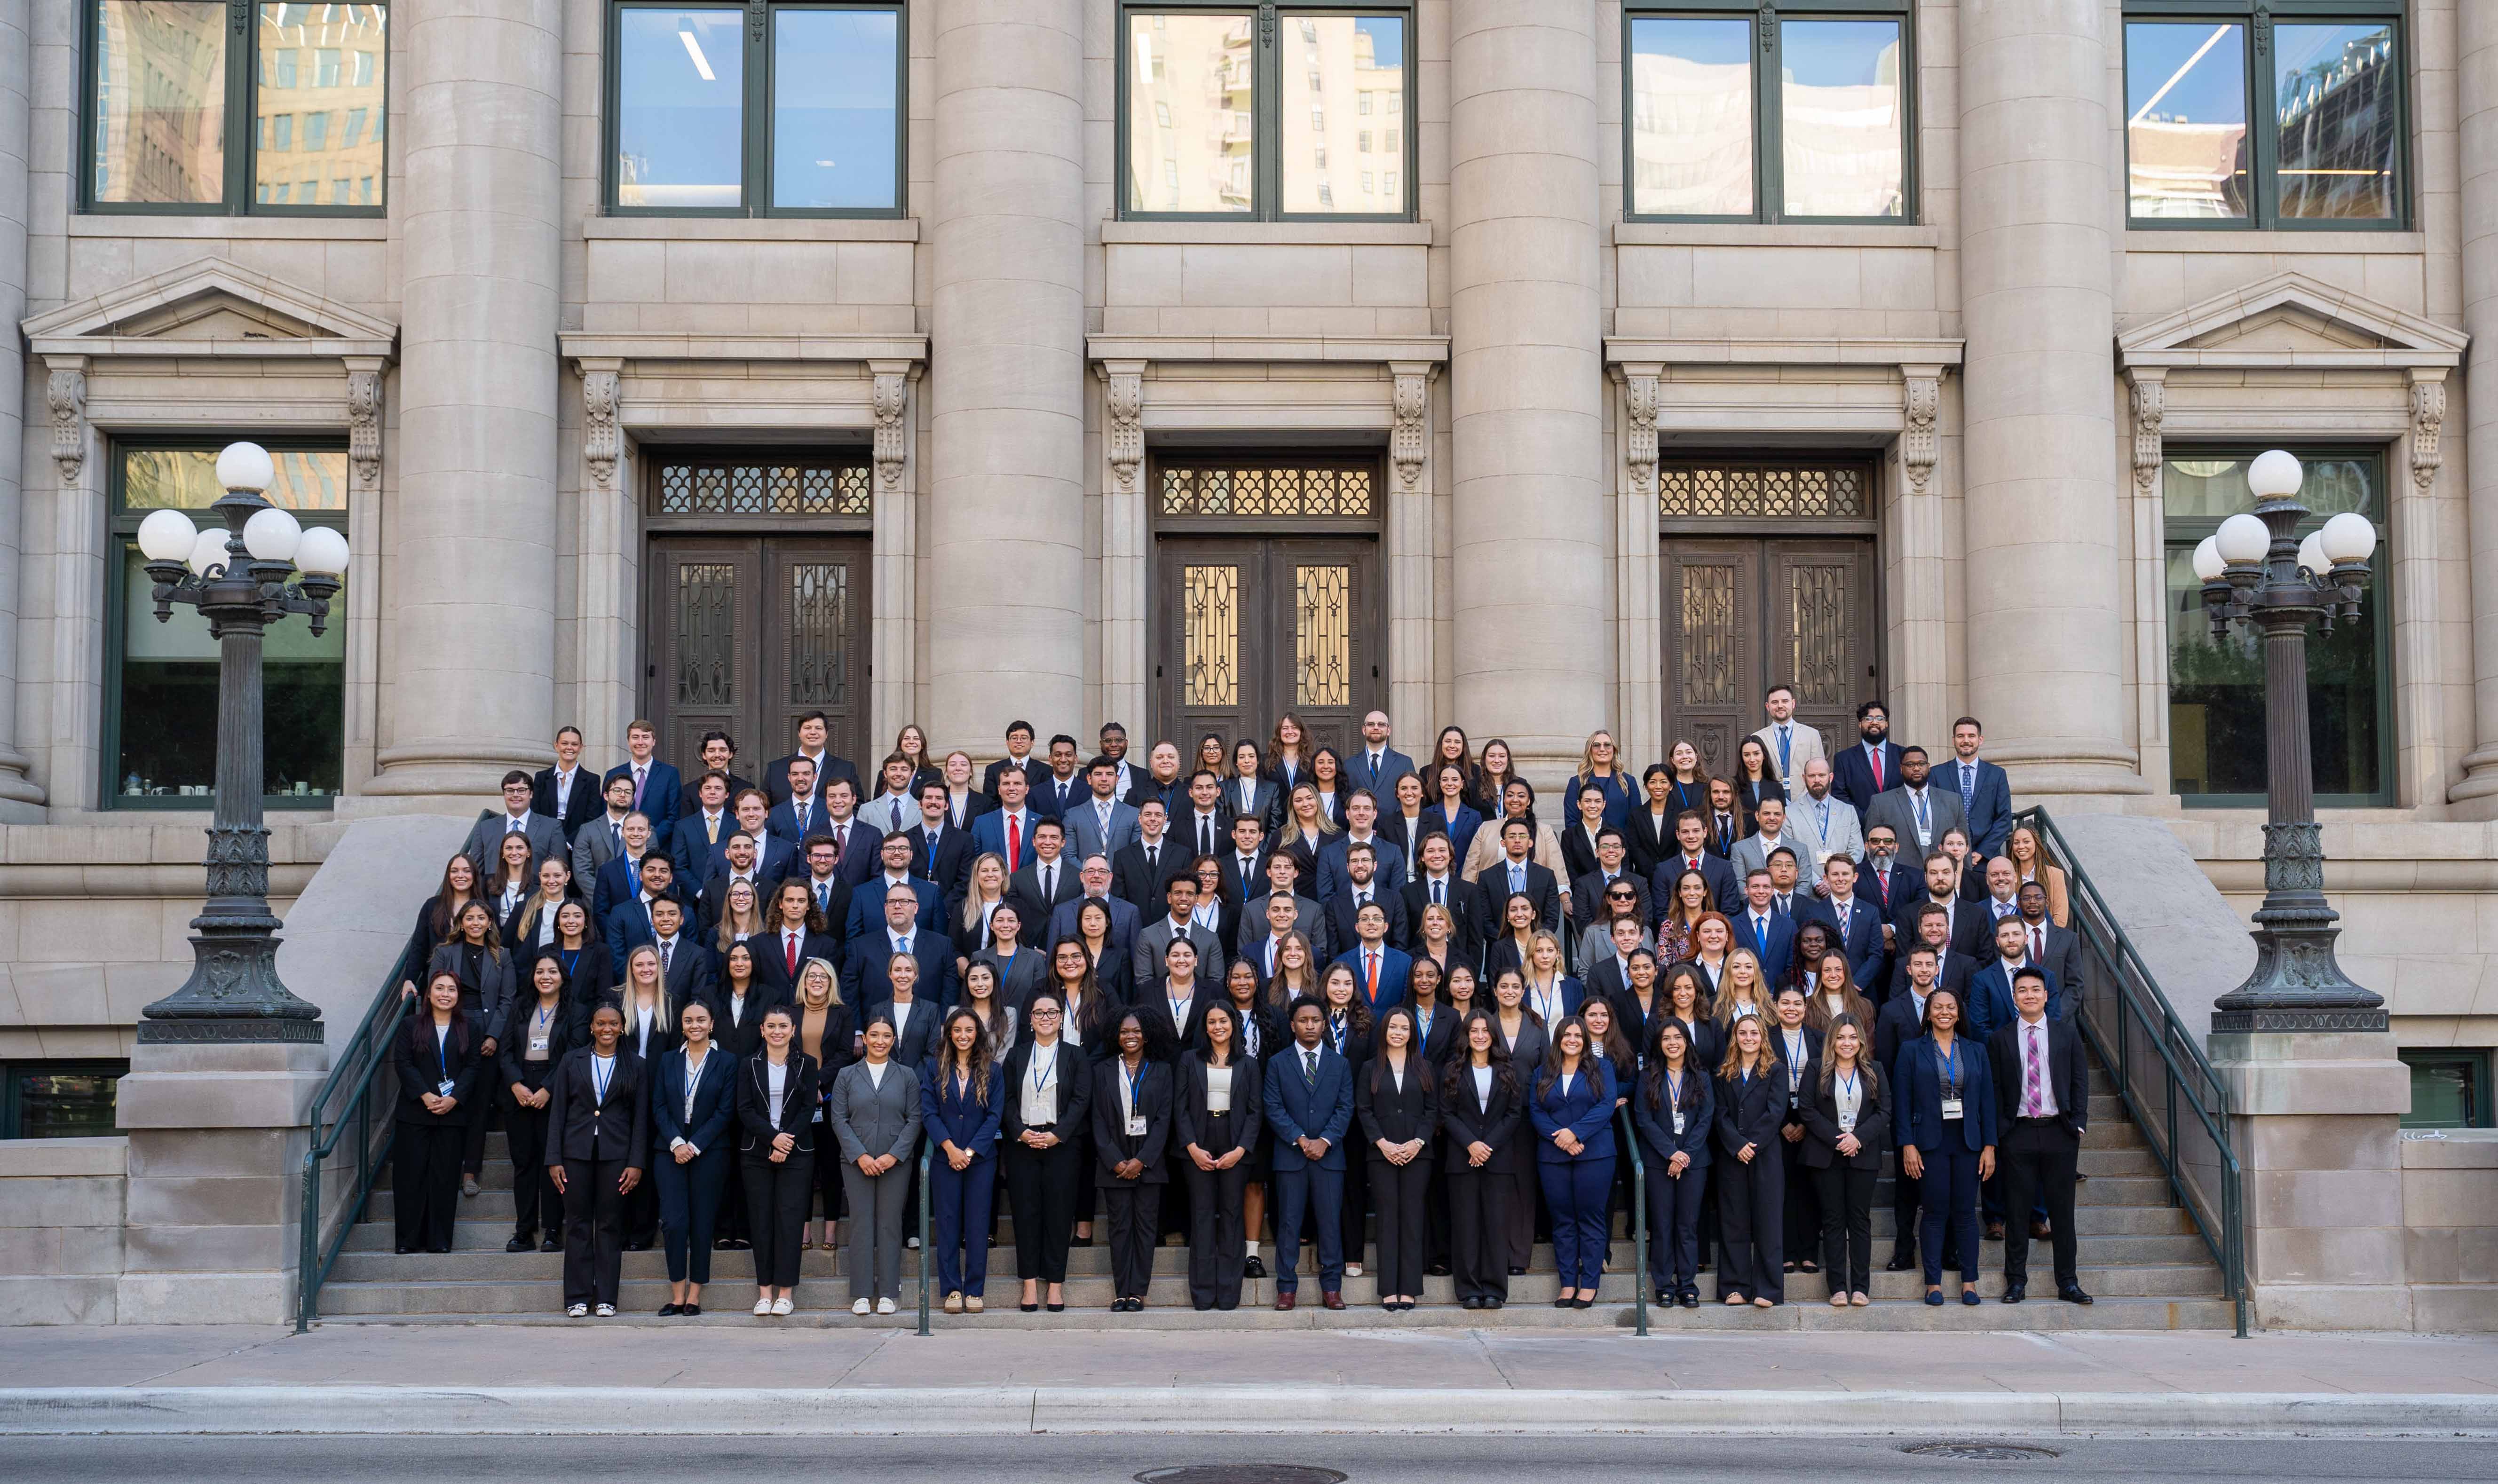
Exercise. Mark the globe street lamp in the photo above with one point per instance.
(259, 567)
(2256, 569)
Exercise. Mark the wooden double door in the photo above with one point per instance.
(1249, 628)
(1744, 613)
(748, 634)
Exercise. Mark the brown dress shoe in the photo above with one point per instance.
(1995, 1231)
(2041, 1230)
(1283, 1303)
(1332, 1300)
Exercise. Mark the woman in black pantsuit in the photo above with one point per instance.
(694, 1091)
(1751, 1106)
(543, 1027)
(1131, 1124)
(1480, 1109)
(1846, 1121)
(1396, 1098)
(1675, 1113)
(1049, 1097)
(1216, 1125)
(438, 1061)
(776, 1105)
(599, 1138)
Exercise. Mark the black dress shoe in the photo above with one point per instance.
(1029, 1309)
(1056, 1308)
(721, 1244)
(1436, 1269)
(1253, 1268)
(1691, 1299)
(1516, 1271)
(551, 1245)
(404, 1249)
(1471, 1302)
(689, 1310)
(2014, 1293)
(637, 1246)
(1583, 1301)
(522, 1244)
(671, 1310)
(1995, 1231)
(2071, 1293)
(1560, 1303)
(1901, 1262)
(740, 1244)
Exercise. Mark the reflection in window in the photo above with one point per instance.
(60, 1099)
(2336, 100)
(2186, 119)
(1691, 117)
(835, 107)
(331, 98)
(2216, 697)
(1363, 56)
(160, 101)
(1840, 118)
(1197, 69)
(679, 109)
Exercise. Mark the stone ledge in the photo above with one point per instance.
(2277, 244)
(1253, 234)
(25, 1158)
(752, 229)
(1744, 234)
(2450, 1148)
(211, 228)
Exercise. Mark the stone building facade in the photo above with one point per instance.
(1539, 365)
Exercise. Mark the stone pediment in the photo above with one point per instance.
(2290, 321)
(210, 307)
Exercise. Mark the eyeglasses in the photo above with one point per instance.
(1044, 1015)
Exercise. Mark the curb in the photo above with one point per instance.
(1024, 1411)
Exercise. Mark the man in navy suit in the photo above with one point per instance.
(657, 789)
(1883, 879)
(1007, 830)
(1857, 926)
(702, 829)
(778, 853)
(565, 793)
(1375, 766)
(621, 877)
(1309, 1097)
(1990, 988)
(629, 923)
(855, 842)
(802, 811)
(1360, 815)
(1018, 760)
(822, 875)
(1066, 917)
(742, 857)
(1361, 885)
(1873, 765)
(1059, 789)
(898, 931)
(1691, 853)
(814, 737)
(939, 852)
(867, 899)
(1379, 972)
(1985, 792)
(1760, 928)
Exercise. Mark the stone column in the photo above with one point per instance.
(19, 797)
(2476, 86)
(1526, 381)
(2039, 399)
(1006, 383)
(471, 579)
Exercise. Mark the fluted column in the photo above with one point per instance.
(15, 788)
(470, 589)
(1006, 380)
(2038, 395)
(2476, 86)
(1531, 540)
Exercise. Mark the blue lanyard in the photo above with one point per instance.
(1673, 1088)
(599, 1078)
(1951, 1070)
(1136, 1086)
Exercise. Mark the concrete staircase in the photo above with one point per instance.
(2140, 1258)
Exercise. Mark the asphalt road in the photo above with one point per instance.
(1113, 1460)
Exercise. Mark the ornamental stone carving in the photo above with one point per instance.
(889, 399)
(1409, 439)
(602, 445)
(1639, 414)
(2149, 407)
(1921, 402)
(65, 389)
(2428, 420)
(1123, 402)
(365, 426)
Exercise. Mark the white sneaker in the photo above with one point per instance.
(782, 1306)
(858, 1305)
(1353, 1270)
(606, 1310)
(577, 1311)
(910, 1243)
(884, 1305)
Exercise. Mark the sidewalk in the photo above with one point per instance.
(459, 1378)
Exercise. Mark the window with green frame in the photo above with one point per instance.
(762, 109)
(2264, 113)
(1750, 110)
(2216, 695)
(2449, 1088)
(160, 680)
(232, 106)
(1311, 116)
(58, 1099)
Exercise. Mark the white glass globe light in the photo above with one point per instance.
(2243, 539)
(208, 551)
(167, 535)
(2207, 559)
(322, 552)
(2274, 475)
(2310, 555)
(245, 466)
(272, 535)
(2349, 536)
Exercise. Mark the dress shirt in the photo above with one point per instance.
(2037, 1083)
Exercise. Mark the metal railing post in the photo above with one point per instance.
(927, 1237)
(1639, 1222)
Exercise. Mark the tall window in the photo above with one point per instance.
(1740, 111)
(286, 118)
(161, 679)
(799, 115)
(2265, 113)
(2216, 697)
(1313, 116)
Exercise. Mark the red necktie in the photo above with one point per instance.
(2038, 944)
(1878, 770)
(1015, 841)
(790, 942)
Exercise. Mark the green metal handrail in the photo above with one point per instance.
(927, 1237)
(2182, 1079)
(351, 1077)
(1638, 1217)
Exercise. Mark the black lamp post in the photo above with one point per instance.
(2256, 569)
(238, 578)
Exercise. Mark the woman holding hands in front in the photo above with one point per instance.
(776, 1105)
(692, 1099)
(1944, 1120)
(1845, 1123)
(1573, 1110)
(959, 1106)
(876, 1115)
(1216, 1125)
(1675, 1113)
(1131, 1124)
(1397, 1102)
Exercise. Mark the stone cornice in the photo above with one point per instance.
(1624, 350)
(669, 345)
(1347, 350)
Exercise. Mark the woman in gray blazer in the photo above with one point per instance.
(874, 1109)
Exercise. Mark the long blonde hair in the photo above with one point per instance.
(832, 982)
(626, 990)
(1728, 1005)
(1863, 1060)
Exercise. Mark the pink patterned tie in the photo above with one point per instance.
(2030, 1101)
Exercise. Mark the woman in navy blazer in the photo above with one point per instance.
(439, 1055)
(1751, 1180)
(692, 1099)
(1674, 1111)
(1600, 768)
(961, 1100)
(1572, 1108)
(1944, 1121)
(1448, 810)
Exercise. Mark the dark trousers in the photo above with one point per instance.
(1135, 1210)
(690, 1196)
(425, 1182)
(958, 1222)
(776, 1204)
(640, 1215)
(1319, 1195)
(1751, 1224)
(1355, 1224)
(1479, 1233)
(1907, 1199)
(1436, 1205)
(1217, 1245)
(1042, 1186)
(535, 1206)
(594, 1213)
(1519, 1215)
(1576, 1191)
(1949, 1195)
(1674, 1204)
(2040, 1159)
(1800, 1237)
(731, 1223)
(1405, 1222)
(1847, 1198)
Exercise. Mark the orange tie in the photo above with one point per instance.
(1373, 958)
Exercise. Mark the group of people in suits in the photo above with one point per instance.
(1337, 994)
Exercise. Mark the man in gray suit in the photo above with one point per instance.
(1179, 894)
(1919, 815)
(601, 840)
(545, 835)
(1752, 852)
(1100, 825)
(1280, 911)
(1825, 823)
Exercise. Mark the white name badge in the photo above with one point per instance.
(1847, 1124)
(1677, 1120)
(442, 1088)
(538, 1043)
(1951, 1108)
(1137, 1126)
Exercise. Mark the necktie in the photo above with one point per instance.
(1310, 1067)
(823, 897)
(1875, 753)
(841, 839)
(2029, 1099)
(1967, 783)
(789, 942)
(1845, 911)
(512, 825)
(1516, 877)
(901, 944)
(1438, 886)
(1049, 884)
(1153, 858)
(1761, 929)
(1014, 840)
(1374, 769)
(1370, 958)
(1787, 746)
(1205, 834)
(667, 955)
(713, 827)
(2038, 943)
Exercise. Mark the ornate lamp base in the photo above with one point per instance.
(2297, 983)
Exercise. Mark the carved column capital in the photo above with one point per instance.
(1640, 399)
(1921, 406)
(1409, 439)
(602, 442)
(2428, 421)
(65, 391)
(1123, 417)
(890, 399)
(2149, 407)
(365, 421)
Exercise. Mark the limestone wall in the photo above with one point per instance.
(62, 1207)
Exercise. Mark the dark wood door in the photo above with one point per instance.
(747, 634)
(1741, 615)
(1249, 629)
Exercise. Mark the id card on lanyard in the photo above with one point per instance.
(442, 1059)
(1136, 1113)
(1674, 1099)
(1847, 1103)
(1952, 1083)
